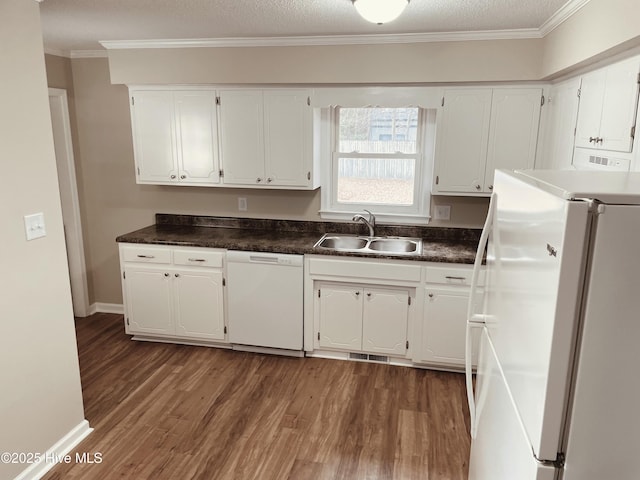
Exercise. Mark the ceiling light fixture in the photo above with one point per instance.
(380, 11)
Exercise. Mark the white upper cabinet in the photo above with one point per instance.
(607, 111)
(483, 129)
(266, 138)
(175, 136)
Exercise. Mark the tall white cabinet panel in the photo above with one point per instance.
(462, 138)
(198, 302)
(287, 137)
(242, 136)
(148, 306)
(175, 136)
(340, 317)
(513, 132)
(197, 130)
(153, 124)
(384, 321)
(608, 103)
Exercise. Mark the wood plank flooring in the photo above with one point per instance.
(163, 411)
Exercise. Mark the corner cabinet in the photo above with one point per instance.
(608, 106)
(173, 293)
(481, 130)
(175, 136)
(266, 138)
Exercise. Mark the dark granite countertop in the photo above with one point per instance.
(450, 245)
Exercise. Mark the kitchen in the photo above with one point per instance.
(113, 204)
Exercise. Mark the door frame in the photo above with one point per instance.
(70, 202)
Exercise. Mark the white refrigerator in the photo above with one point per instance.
(557, 390)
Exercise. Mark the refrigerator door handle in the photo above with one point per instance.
(475, 320)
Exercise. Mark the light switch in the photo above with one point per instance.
(34, 226)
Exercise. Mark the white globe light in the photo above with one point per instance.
(380, 11)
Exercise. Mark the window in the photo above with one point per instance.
(378, 162)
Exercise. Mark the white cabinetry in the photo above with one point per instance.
(363, 318)
(360, 305)
(175, 136)
(266, 138)
(608, 103)
(445, 316)
(483, 129)
(173, 292)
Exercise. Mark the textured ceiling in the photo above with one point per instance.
(72, 25)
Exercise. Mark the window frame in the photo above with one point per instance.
(418, 212)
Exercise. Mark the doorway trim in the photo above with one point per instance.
(70, 200)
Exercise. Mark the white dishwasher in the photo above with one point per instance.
(265, 302)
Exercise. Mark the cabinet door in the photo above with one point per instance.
(560, 128)
(242, 137)
(384, 321)
(513, 134)
(153, 124)
(198, 304)
(287, 127)
(444, 326)
(619, 106)
(461, 144)
(340, 321)
(148, 300)
(590, 109)
(197, 129)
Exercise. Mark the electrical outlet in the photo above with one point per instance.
(442, 212)
(242, 204)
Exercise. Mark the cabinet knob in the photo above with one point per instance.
(183, 177)
(176, 275)
(478, 187)
(258, 180)
(431, 295)
(173, 177)
(166, 274)
(357, 294)
(490, 187)
(269, 180)
(368, 294)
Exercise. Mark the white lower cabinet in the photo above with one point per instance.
(173, 292)
(444, 320)
(360, 318)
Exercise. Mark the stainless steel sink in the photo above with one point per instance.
(373, 245)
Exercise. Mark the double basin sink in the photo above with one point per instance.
(379, 245)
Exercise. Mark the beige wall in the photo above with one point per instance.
(41, 399)
(487, 60)
(599, 29)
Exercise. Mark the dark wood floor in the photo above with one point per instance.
(164, 411)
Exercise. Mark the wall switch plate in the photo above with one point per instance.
(242, 204)
(442, 212)
(34, 226)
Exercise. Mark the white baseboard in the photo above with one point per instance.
(106, 308)
(61, 448)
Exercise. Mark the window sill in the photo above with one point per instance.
(383, 218)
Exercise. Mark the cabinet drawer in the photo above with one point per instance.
(146, 254)
(198, 258)
(452, 275)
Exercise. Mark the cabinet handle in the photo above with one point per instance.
(593, 139)
(197, 260)
(166, 274)
(183, 177)
(173, 177)
(599, 140)
(258, 180)
(176, 275)
(462, 279)
(146, 256)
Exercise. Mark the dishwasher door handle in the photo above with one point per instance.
(263, 259)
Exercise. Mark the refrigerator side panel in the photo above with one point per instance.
(604, 430)
(501, 450)
(535, 265)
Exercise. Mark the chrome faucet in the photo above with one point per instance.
(371, 222)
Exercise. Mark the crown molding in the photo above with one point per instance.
(57, 53)
(323, 40)
(88, 54)
(558, 18)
